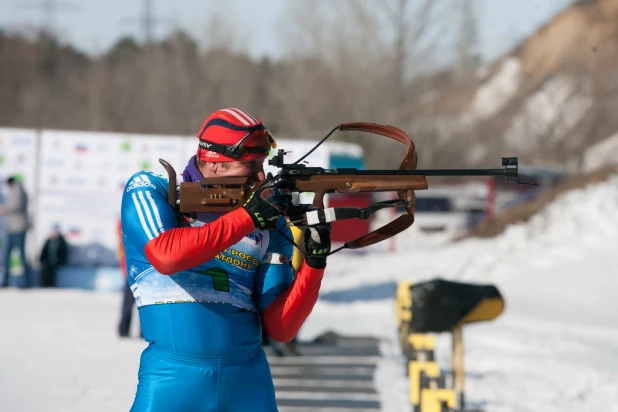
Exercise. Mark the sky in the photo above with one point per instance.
(94, 25)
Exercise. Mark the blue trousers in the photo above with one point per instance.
(16, 241)
(169, 382)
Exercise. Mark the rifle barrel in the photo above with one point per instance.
(421, 172)
(464, 172)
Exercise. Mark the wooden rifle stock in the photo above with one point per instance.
(214, 195)
(324, 184)
(225, 195)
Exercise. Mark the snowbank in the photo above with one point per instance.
(554, 348)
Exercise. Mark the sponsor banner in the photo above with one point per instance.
(82, 179)
(85, 160)
(18, 155)
(84, 217)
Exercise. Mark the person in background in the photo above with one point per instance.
(15, 213)
(55, 253)
(207, 283)
(126, 312)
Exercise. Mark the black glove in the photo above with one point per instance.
(269, 202)
(317, 246)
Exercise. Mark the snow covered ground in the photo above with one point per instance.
(555, 348)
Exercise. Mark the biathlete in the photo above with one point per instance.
(205, 284)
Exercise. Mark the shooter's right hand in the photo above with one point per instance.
(269, 202)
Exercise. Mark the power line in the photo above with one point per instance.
(49, 9)
(467, 47)
(147, 21)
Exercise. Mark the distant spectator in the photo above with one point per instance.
(15, 213)
(55, 253)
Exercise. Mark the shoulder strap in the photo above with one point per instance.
(408, 162)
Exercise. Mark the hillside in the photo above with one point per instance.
(547, 100)
(523, 212)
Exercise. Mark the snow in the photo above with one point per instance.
(602, 153)
(496, 92)
(492, 96)
(550, 113)
(553, 349)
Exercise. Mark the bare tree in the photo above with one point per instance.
(373, 51)
(221, 33)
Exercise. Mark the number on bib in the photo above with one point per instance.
(220, 279)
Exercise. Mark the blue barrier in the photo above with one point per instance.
(100, 279)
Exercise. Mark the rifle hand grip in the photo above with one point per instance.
(318, 200)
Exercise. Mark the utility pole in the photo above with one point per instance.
(147, 21)
(467, 46)
(49, 9)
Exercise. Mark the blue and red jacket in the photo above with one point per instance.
(205, 285)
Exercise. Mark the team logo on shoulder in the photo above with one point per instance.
(140, 181)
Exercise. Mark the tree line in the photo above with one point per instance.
(171, 85)
(343, 62)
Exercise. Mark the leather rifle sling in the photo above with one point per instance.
(408, 162)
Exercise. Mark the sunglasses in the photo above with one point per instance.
(258, 144)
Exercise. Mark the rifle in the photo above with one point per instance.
(228, 193)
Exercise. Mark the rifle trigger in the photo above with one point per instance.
(521, 182)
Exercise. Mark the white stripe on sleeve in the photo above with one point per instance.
(155, 210)
(141, 217)
(148, 214)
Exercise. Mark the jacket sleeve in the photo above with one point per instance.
(150, 224)
(284, 317)
(63, 251)
(275, 274)
(43, 257)
(285, 303)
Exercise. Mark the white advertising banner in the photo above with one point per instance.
(82, 177)
(18, 155)
(18, 158)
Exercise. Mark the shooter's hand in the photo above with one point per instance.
(269, 202)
